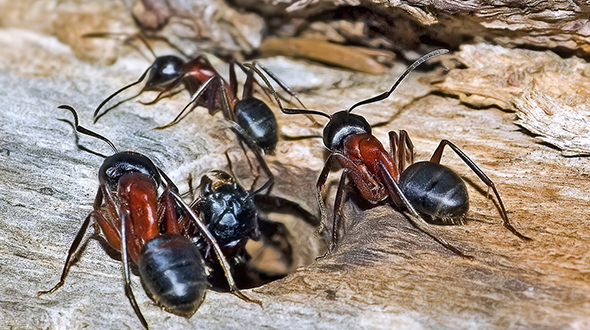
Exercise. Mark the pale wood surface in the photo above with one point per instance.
(385, 274)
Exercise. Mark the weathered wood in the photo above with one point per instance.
(541, 24)
(549, 93)
(385, 274)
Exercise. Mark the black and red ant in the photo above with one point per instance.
(252, 118)
(137, 209)
(234, 215)
(430, 191)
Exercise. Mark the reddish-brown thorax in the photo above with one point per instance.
(366, 152)
(198, 72)
(138, 194)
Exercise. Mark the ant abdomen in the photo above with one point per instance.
(174, 273)
(435, 191)
(258, 122)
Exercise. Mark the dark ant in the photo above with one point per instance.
(252, 118)
(231, 214)
(144, 226)
(428, 190)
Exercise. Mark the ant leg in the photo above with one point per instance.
(248, 159)
(337, 216)
(229, 164)
(126, 271)
(401, 149)
(75, 243)
(248, 85)
(320, 188)
(167, 213)
(188, 228)
(169, 43)
(256, 151)
(126, 40)
(95, 115)
(420, 224)
(233, 81)
(276, 79)
(405, 149)
(71, 252)
(213, 243)
(193, 100)
(393, 152)
(288, 111)
(167, 182)
(161, 96)
(269, 204)
(436, 156)
(284, 86)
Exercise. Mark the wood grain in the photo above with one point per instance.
(384, 274)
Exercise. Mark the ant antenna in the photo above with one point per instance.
(96, 116)
(411, 68)
(86, 131)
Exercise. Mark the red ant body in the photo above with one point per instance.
(145, 227)
(428, 190)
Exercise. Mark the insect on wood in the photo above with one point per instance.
(251, 118)
(137, 209)
(429, 191)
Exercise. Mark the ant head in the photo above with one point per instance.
(164, 71)
(121, 163)
(211, 182)
(342, 124)
(228, 210)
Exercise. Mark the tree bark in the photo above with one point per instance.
(384, 272)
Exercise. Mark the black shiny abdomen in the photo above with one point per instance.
(258, 122)
(435, 191)
(121, 163)
(173, 272)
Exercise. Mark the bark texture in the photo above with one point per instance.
(385, 273)
(548, 93)
(532, 23)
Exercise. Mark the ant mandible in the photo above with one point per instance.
(252, 118)
(427, 189)
(145, 227)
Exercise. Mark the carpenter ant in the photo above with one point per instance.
(145, 227)
(430, 191)
(251, 117)
(231, 214)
